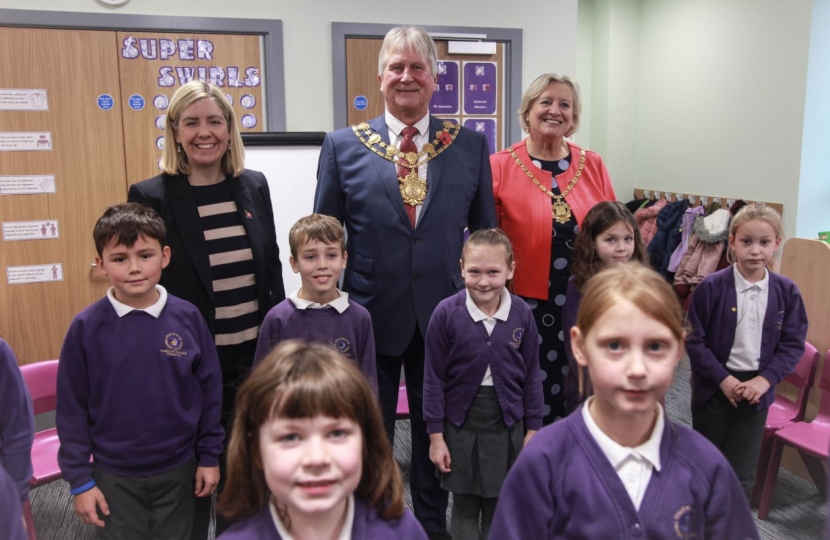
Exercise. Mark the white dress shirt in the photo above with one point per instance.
(490, 322)
(745, 354)
(155, 310)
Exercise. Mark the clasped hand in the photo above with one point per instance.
(752, 390)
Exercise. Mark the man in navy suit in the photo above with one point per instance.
(405, 197)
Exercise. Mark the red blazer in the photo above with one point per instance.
(524, 212)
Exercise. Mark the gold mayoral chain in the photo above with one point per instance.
(561, 210)
(413, 187)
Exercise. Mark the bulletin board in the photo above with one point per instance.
(80, 98)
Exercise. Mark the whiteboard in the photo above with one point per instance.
(291, 172)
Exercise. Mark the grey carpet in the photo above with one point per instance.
(798, 511)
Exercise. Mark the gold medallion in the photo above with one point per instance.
(391, 150)
(413, 188)
(561, 211)
(374, 138)
(411, 157)
(363, 126)
(429, 149)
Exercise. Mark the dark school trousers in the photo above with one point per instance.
(428, 499)
(158, 507)
(737, 432)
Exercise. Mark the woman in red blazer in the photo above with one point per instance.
(542, 217)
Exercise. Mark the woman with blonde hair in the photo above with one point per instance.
(220, 228)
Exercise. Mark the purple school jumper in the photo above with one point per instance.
(11, 514)
(349, 332)
(368, 525)
(563, 486)
(17, 422)
(142, 395)
(458, 351)
(713, 318)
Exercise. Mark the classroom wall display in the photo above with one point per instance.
(153, 65)
(22, 141)
(31, 230)
(24, 99)
(487, 127)
(40, 273)
(27, 184)
(467, 87)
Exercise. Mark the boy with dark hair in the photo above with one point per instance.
(318, 311)
(139, 389)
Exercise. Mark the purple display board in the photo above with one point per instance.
(480, 87)
(445, 98)
(485, 126)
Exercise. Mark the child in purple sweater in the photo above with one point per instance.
(618, 467)
(482, 384)
(319, 311)
(748, 327)
(308, 456)
(139, 390)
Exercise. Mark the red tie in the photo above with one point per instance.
(408, 145)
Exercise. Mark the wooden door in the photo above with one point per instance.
(87, 161)
(363, 87)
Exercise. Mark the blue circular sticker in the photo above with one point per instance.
(360, 102)
(136, 102)
(105, 102)
(249, 121)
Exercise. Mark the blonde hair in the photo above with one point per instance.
(302, 380)
(316, 228)
(489, 237)
(634, 283)
(402, 38)
(540, 85)
(758, 211)
(173, 160)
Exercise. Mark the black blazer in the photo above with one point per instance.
(188, 274)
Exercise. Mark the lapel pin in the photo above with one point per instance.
(734, 310)
(248, 214)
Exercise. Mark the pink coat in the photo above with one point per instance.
(647, 220)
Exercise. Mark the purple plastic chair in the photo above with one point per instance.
(42, 380)
(811, 439)
(402, 410)
(784, 412)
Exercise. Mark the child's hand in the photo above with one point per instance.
(439, 454)
(87, 504)
(207, 478)
(755, 388)
(529, 435)
(733, 389)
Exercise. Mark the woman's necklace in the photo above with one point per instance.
(561, 211)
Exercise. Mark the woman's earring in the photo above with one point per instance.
(178, 148)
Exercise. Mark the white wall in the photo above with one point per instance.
(814, 188)
(721, 98)
(550, 35)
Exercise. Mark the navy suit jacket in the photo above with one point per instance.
(188, 275)
(397, 272)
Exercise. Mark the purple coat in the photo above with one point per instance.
(713, 319)
(563, 486)
(368, 525)
(458, 351)
(349, 332)
(17, 422)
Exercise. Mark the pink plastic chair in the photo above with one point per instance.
(402, 411)
(811, 439)
(784, 412)
(42, 380)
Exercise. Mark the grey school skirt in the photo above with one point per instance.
(483, 449)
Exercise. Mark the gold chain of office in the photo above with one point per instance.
(413, 187)
(560, 209)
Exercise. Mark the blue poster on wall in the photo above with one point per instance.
(445, 98)
(480, 88)
(485, 126)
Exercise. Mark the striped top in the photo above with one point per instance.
(231, 265)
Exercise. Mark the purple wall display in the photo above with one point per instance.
(445, 98)
(485, 126)
(480, 87)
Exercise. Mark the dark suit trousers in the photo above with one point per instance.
(428, 499)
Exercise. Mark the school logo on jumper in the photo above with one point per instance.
(518, 334)
(780, 323)
(173, 343)
(685, 523)
(342, 345)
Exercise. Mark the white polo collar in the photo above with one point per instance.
(617, 453)
(341, 303)
(155, 310)
(500, 314)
